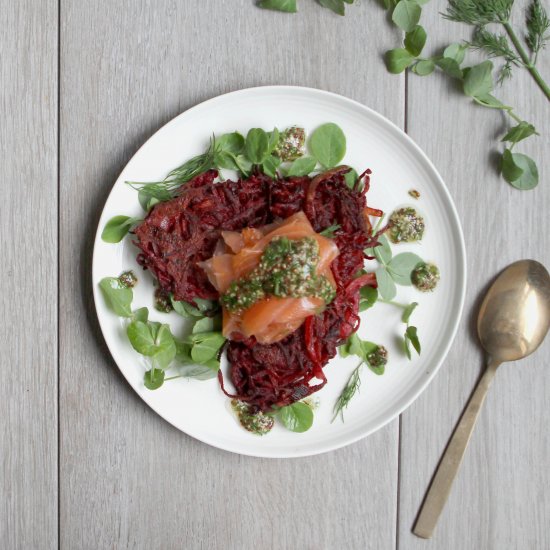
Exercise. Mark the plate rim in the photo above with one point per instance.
(461, 273)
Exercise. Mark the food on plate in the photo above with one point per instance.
(406, 225)
(425, 277)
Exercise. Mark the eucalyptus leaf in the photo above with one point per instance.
(328, 144)
(297, 417)
(406, 14)
(118, 297)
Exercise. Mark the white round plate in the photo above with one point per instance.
(200, 409)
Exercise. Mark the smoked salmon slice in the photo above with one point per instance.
(271, 319)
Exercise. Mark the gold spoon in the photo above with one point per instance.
(513, 321)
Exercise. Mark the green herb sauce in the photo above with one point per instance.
(406, 225)
(162, 301)
(258, 423)
(287, 268)
(291, 144)
(425, 277)
(128, 279)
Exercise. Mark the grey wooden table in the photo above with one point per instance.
(85, 463)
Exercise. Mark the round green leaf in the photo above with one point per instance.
(118, 297)
(450, 67)
(424, 67)
(478, 80)
(117, 228)
(519, 170)
(297, 417)
(456, 52)
(406, 14)
(328, 144)
(141, 338)
(257, 145)
(153, 379)
(230, 143)
(302, 166)
(386, 286)
(401, 267)
(415, 40)
(398, 60)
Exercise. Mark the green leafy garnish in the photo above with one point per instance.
(302, 166)
(519, 170)
(257, 145)
(117, 295)
(328, 144)
(153, 379)
(330, 231)
(297, 417)
(406, 14)
(117, 228)
(288, 6)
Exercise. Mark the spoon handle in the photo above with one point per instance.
(442, 482)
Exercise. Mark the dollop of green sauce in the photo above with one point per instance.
(128, 279)
(291, 144)
(425, 277)
(258, 423)
(287, 268)
(406, 225)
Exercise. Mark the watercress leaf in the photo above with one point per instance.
(297, 417)
(185, 309)
(352, 346)
(153, 379)
(456, 52)
(407, 312)
(510, 170)
(386, 286)
(207, 348)
(415, 40)
(141, 314)
(165, 347)
(382, 252)
(231, 143)
(519, 170)
(183, 352)
(337, 6)
(488, 100)
(398, 59)
(288, 6)
(367, 297)
(244, 165)
(401, 267)
(273, 140)
(117, 228)
(450, 67)
(406, 14)
(206, 324)
(198, 372)
(270, 165)
(328, 144)
(478, 80)
(423, 67)
(302, 166)
(521, 131)
(141, 338)
(412, 335)
(351, 178)
(256, 145)
(226, 160)
(118, 297)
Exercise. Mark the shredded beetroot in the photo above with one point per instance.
(179, 233)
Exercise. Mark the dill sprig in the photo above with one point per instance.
(479, 12)
(537, 23)
(351, 388)
(182, 174)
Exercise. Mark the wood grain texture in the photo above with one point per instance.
(499, 499)
(128, 479)
(28, 271)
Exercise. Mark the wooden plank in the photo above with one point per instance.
(28, 271)
(128, 478)
(499, 499)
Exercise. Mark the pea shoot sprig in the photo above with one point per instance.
(291, 6)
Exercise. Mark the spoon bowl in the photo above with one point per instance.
(512, 323)
(515, 314)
